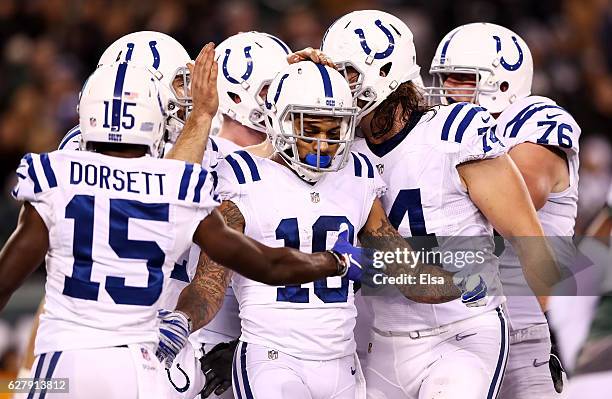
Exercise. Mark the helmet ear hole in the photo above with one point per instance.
(503, 87)
(384, 70)
(235, 97)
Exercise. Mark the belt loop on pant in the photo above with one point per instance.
(416, 334)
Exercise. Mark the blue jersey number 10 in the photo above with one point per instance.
(288, 231)
(79, 285)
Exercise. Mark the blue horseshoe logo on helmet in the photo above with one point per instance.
(503, 62)
(249, 68)
(156, 58)
(368, 50)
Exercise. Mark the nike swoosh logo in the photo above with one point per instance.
(459, 337)
(485, 120)
(552, 116)
(538, 364)
(353, 371)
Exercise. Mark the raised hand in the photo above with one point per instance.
(204, 82)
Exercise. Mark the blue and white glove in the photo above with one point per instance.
(173, 332)
(359, 260)
(473, 291)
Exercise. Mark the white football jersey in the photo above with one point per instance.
(117, 226)
(426, 198)
(312, 321)
(540, 120)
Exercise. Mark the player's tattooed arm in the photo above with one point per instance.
(203, 297)
(191, 143)
(23, 252)
(273, 266)
(379, 234)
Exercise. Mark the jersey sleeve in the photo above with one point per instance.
(212, 155)
(35, 183)
(228, 187)
(469, 134)
(543, 123)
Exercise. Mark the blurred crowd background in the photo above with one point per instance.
(49, 47)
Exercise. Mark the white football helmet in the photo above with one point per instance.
(167, 58)
(309, 89)
(499, 59)
(248, 62)
(122, 103)
(374, 43)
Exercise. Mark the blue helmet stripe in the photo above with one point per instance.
(278, 90)
(445, 48)
(75, 131)
(280, 43)
(118, 94)
(327, 85)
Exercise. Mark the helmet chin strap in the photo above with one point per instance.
(324, 160)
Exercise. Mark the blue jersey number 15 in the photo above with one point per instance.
(79, 285)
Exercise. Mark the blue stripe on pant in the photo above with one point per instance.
(502, 359)
(242, 379)
(236, 382)
(245, 376)
(48, 374)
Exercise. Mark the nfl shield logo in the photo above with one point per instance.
(314, 197)
(92, 122)
(145, 354)
(272, 355)
(381, 168)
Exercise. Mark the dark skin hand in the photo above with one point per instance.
(273, 266)
(24, 251)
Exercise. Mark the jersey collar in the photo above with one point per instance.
(382, 149)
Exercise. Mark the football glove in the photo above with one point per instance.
(473, 291)
(357, 259)
(173, 332)
(554, 362)
(217, 367)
